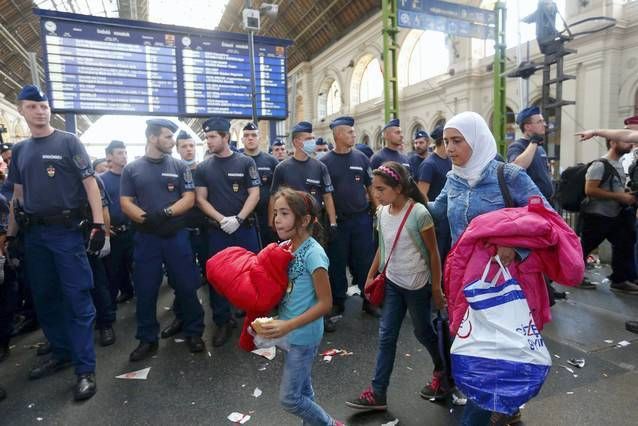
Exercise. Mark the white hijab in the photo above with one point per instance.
(476, 133)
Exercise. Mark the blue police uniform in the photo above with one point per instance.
(351, 176)
(365, 149)
(155, 185)
(538, 169)
(8, 286)
(311, 176)
(51, 170)
(414, 161)
(227, 180)
(387, 154)
(119, 263)
(105, 307)
(266, 165)
(277, 142)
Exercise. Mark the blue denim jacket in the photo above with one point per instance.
(458, 203)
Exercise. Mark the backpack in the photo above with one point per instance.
(571, 186)
(632, 181)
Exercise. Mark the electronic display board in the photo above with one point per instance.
(114, 66)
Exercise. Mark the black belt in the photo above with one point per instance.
(120, 228)
(66, 217)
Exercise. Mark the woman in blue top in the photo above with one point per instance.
(472, 189)
(307, 299)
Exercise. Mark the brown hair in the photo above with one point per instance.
(302, 204)
(408, 185)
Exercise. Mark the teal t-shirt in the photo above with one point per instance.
(301, 294)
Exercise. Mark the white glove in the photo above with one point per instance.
(106, 250)
(229, 224)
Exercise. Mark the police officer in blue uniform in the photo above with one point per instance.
(304, 173)
(227, 186)
(351, 177)
(322, 148)
(278, 148)
(156, 191)
(420, 144)
(266, 164)
(119, 263)
(391, 152)
(195, 224)
(53, 180)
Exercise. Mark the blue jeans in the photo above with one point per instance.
(397, 301)
(473, 415)
(296, 394)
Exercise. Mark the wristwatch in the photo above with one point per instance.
(239, 220)
(168, 212)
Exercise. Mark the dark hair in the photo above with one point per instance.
(153, 130)
(608, 143)
(408, 185)
(302, 204)
(528, 120)
(113, 146)
(438, 141)
(98, 161)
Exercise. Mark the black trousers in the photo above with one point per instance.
(119, 264)
(620, 232)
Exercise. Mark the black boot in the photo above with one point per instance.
(222, 334)
(107, 336)
(85, 388)
(144, 350)
(174, 328)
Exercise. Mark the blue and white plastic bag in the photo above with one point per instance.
(499, 359)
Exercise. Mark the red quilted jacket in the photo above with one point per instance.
(252, 282)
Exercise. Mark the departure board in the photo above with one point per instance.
(217, 78)
(114, 66)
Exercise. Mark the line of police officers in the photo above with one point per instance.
(169, 215)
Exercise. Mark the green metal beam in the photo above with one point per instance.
(390, 59)
(499, 116)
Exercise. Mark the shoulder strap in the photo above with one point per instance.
(396, 238)
(507, 197)
(609, 170)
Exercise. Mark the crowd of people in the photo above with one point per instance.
(80, 237)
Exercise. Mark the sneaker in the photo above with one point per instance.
(435, 390)
(368, 401)
(458, 397)
(624, 287)
(587, 285)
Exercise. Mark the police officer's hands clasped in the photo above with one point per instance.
(155, 219)
(97, 238)
(230, 224)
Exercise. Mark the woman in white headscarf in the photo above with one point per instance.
(472, 189)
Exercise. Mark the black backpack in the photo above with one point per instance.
(633, 176)
(571, 186)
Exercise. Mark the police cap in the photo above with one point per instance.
(113, 145)
(342, 121)
(392, 123)
(31, 92)
(527, 113)
(631, 120)
(321, 141)
(278, 142)
(217, 124)
(162, 122)
(183, 134)
(250, 126)
(302, 127)
(421, 134)
(5, 147)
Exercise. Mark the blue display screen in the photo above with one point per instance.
(113, 66)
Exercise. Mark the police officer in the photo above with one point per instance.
(394, 142)
(321, 148)
(528, 152)
(351, 176)
(156, 191)
(227, 186)
(53, 180)
(421, 143)
(279, 151)
(195, 224)
(304, 173)
(266, 164)
(119, 263)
